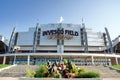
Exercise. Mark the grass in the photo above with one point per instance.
(4, 65)
(116, 66)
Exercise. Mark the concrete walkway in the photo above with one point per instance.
(18, 73)
(11, 78)
(111, 78)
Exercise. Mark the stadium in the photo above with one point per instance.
(58, 41)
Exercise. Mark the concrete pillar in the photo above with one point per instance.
(4, 60)
(116, 59)
(119, 61)
(60, 50)
(92, 60)
(14, 59)
(28, 60)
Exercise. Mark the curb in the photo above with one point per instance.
(19, 78)
(7, 67)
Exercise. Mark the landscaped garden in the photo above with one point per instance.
(116, 66)
(67, 69)
(4, 65)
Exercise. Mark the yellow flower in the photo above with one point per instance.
(33, 73)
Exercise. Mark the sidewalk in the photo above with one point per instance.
(12, 78)
(111, 78)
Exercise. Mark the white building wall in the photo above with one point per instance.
(76, 40)
(116, 41)
(74, 44)
(73, 48)
(95, 38)
(3, 39)
(25, 38)
(47, 48)
(26, 48)
(44, 39)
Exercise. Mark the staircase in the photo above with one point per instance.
(17, 71)
(20, 71)
(105, 72)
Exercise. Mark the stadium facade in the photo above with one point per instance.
(58, 41)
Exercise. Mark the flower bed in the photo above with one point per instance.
(67, 69)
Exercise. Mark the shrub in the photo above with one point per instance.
(89, 74)
(33, 73)
(69, 71)
(81, 70)
(65, 61)
(58, 75)
(75, 70)
(29, 74)
(42, 71)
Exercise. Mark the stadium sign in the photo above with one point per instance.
(60, 34)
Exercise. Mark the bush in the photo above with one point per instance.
(75, 70)
(81, 70)
(89, 74)
(29, 74)
(42, 71)
(66, 70)
(65, 61)
(58, 76)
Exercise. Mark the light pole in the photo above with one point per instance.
(105, 56)
(60, 44)
(14, 58)
(60, 39)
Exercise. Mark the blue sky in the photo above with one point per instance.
(23, 14)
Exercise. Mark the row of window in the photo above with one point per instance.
(82, 61)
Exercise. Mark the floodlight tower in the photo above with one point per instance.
(85, 38)
(11, 44)
(60, 46)
(109, 40)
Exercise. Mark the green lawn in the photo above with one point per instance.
(116, 66)
(4, 65)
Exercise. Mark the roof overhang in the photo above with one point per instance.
(62, 54)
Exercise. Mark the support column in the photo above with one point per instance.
(14, 59)
(60, 51)
(4, 60)
(116, 59)
(92, 60)
(109, 41)
(28, 60)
